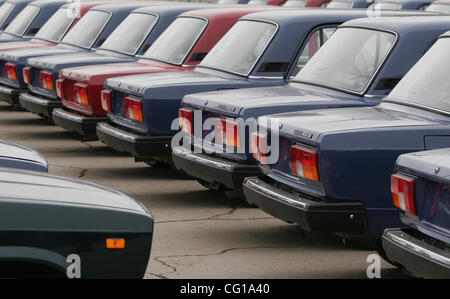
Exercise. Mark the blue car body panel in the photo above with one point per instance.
(46, 9)
(432, 170)
(422, 245)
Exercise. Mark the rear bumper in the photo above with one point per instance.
(416, 256)
(38, 105)
(83, 125)
(141, 147)
(10, 95)
(211, 169)
(336, 217)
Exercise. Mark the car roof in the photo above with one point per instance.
(19, 1)
(120, 6)
(171, 8)
(83, 5)
(291, 16)
(237, 10)
(403, 25)
(40, 187)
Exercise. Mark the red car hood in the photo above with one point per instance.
(94, 74)
(34, 43)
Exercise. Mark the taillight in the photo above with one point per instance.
(10, 71)
(185, 117)
(402, 189)
(60, 88)
(133, 109)
(46, 79)
(227, 132)
(81, 93)
(105, 97)
(27, 75)
(303, 162)
(258, 143)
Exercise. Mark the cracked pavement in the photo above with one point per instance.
(198, 233)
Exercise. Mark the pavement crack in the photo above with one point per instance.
(82, 173)
(173, 269)
(165, 264)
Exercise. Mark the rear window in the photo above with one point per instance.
(386, 6)
(349, 60)
(177, 40)
(257, 2)
(426, 84)
(295, 3)
(439, 7)
(241, 47)
(22, 21)
(55, 28)
(5, 10)
(339, 4)
(87, 30)
(130, 34)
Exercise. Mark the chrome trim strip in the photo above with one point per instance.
(185, 153)
(258, 186)
(417, 249)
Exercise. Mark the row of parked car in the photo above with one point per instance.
(317, 115)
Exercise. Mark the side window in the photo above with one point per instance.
(316, 40)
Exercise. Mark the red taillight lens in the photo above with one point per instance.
(402, 189)
(105, 97)
(60, 88)
(46, 79)
(186, 117)
(303, 162)
(227, 132)
(10, 71)
(27, 75)
(81, 93)
(258, 143)
(133, 109)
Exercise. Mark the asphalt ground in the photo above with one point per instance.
(198, 233)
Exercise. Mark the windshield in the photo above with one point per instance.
(426, 84)
(130, 34)
(339, 4)
(88, 28)
(239, 50)
(257, 2)
(385, 6)
(177, 40)
(439, 7)
(5, 11)
(20, 24)
(55, 28)
(349, 59)
(295, 3)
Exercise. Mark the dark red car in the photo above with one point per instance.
(56, 27)
(182, 46)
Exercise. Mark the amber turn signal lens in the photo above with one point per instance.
(115, 243)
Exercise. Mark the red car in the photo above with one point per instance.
(56, 27)
(182, 46)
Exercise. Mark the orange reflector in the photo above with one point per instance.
(115, 243)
